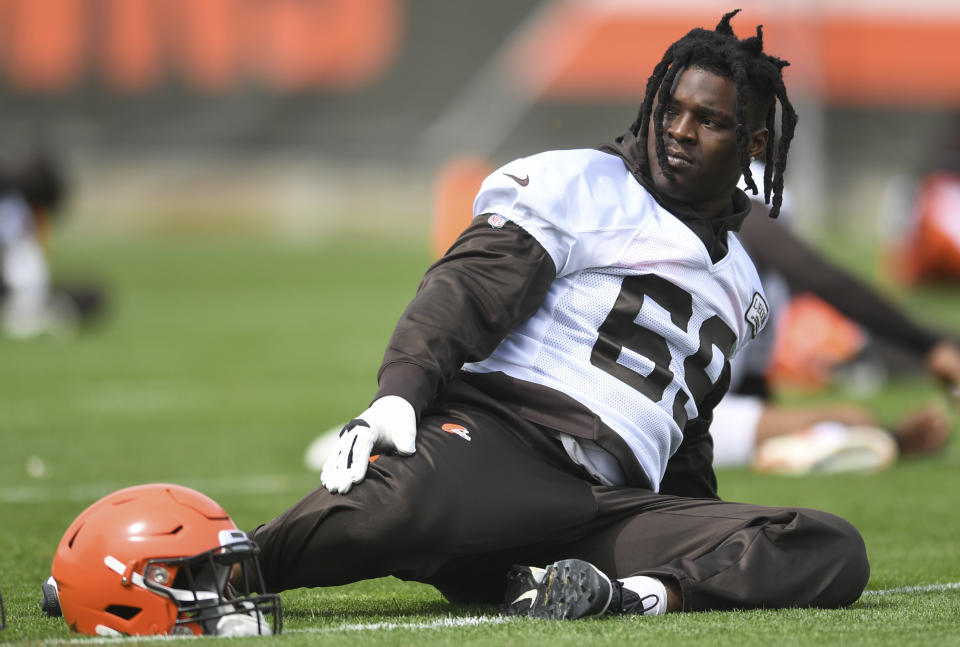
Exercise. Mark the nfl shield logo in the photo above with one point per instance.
(496, 221)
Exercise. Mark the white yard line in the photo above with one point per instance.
(442, 623)
(445, 623)
(113, 640)
(922, 588)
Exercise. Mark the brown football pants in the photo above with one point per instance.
(465, 507)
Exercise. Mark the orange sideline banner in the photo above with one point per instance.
(607, 50)
(215, 45)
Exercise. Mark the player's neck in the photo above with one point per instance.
(713, 209)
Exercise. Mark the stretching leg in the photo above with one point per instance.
(733, 555)
(478, 489)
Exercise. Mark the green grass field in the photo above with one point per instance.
(221, 359)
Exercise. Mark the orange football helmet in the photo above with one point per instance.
(161, 559)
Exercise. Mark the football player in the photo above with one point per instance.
(837, 436)
(31, 193)
(546, 396)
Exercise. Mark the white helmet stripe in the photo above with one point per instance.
(180, 595)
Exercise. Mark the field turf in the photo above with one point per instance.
(220, 360)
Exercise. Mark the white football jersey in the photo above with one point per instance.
(639, 322)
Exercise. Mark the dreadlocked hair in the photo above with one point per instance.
(759, 82)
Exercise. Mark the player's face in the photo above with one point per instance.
(699, 136)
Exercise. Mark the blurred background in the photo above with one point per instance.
(305, 116)
(251, 189)
(240, 197)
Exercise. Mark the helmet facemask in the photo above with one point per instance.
(217, 592)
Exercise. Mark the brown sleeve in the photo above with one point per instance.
(772, 245)
(489, 281)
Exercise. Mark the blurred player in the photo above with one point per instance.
(30, 196)
(546, 396)
(831, 437)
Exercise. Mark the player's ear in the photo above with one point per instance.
(758, 143)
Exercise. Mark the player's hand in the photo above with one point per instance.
(923, 432)
(389, 425)
(943, 361)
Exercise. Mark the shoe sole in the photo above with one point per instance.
(571, 589)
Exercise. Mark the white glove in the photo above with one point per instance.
(390, 424)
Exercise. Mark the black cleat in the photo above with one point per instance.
(50, 603)
(565, 590)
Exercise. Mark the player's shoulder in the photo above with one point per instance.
(582, 198)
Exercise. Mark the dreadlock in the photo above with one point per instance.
(759, 82)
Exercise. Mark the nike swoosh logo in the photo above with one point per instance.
(529, 595)
(524, 181)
